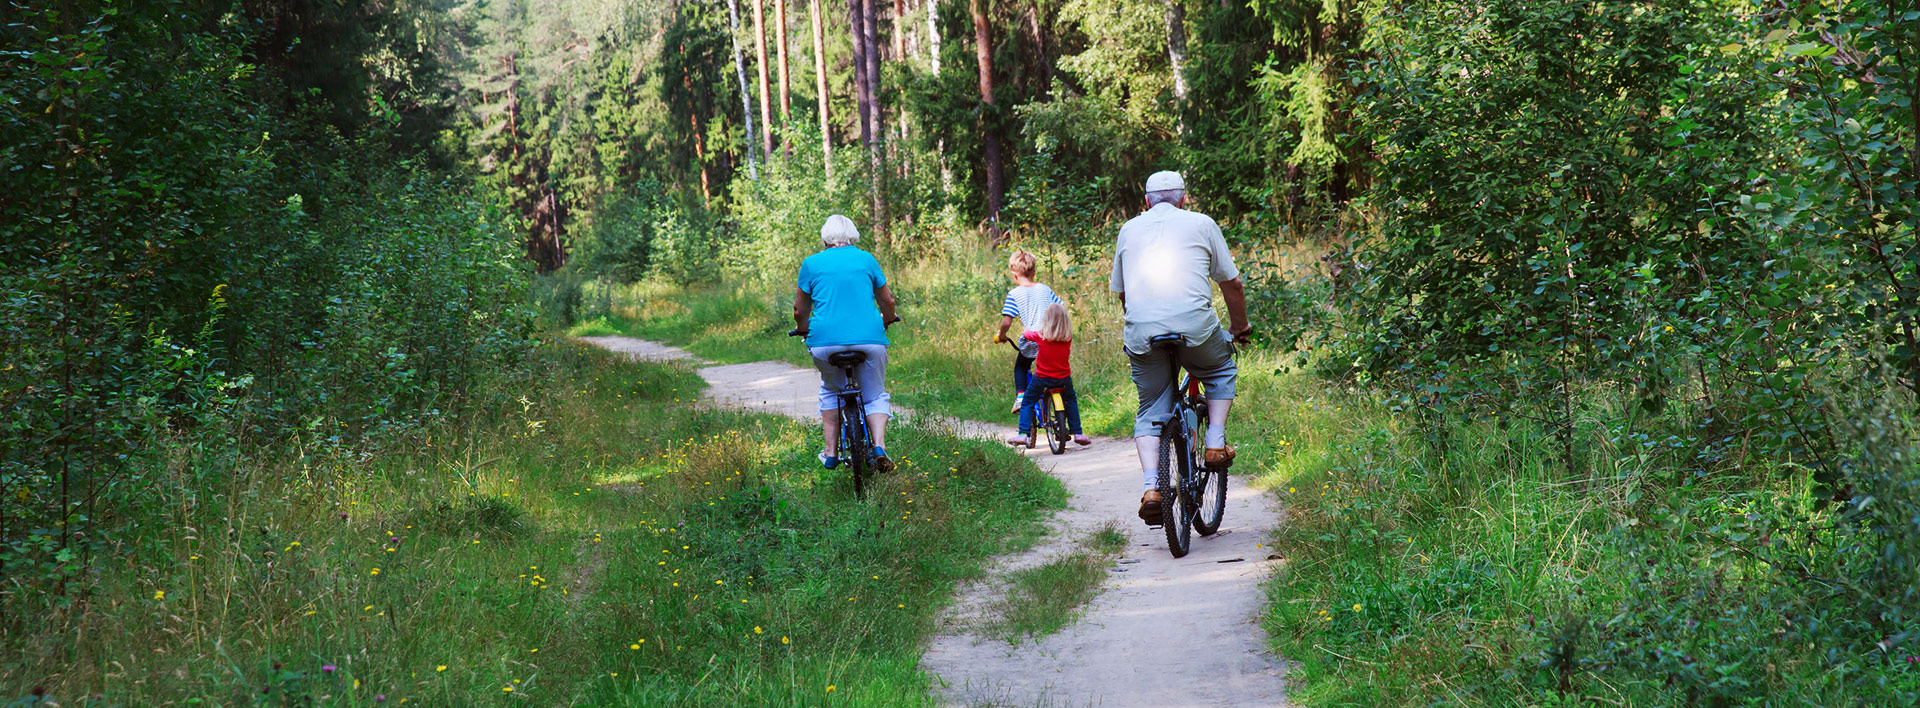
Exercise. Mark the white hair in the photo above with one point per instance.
(838, 231)
(1167, 196)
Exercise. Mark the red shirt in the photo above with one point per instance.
(1052, 361)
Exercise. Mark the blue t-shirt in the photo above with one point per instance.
(841, 281)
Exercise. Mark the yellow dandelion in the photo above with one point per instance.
(633, 646)
(442, 667)
(784, 640)
(159, 594)
(506, 689)
(1356, 607)
(375, 571)
(756, 630)
(830, 688)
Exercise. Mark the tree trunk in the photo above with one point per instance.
(933, 35)
(899, 30)
(786, 95)
(740, 71)
(858, 21)
(699, 143)
(876, 155)
(990, 140)
(760, 49)
(820, 87)
(1177, 58)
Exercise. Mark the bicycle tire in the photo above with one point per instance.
(1176, 515)
(1211, 506)
(854, 436)
(1057, 432)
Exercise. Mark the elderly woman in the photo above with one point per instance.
(842, 304)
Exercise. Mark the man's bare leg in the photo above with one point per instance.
(1217, 421)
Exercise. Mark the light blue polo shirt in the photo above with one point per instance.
(841, 281)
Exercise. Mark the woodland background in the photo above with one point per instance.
(1651, 267)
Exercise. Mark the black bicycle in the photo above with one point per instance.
(1193, 495)
(856, 441)
(1049, 414)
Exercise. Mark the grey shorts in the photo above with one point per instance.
(1211, 362)
(872, 375)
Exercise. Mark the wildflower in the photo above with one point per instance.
(159, 594)
(442, 667)
(783, 640)
(830, 688)
(506, 689)
(1356, 607)
(329, 668)
(375, 571)
(633, 646)
(756, 630)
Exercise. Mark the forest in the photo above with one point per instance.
(1588, 367)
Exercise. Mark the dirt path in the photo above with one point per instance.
(1164, 633)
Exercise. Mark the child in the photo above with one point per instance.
(1054, 343)
(1026, 301)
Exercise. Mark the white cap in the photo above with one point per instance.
(1165, 180)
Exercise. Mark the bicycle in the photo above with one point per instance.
(854, 435)
(1193, 495)
(1049, 414)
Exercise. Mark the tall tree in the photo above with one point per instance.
(989, 139)
(858, 21)
(870, 31)
(933, 35)
(820, 85)
(740, 71)
(786, 97)
(760, 50)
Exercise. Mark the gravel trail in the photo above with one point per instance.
(1164, 632)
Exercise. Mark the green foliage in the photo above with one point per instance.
(192, 269)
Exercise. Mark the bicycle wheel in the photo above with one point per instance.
(1176, 505)
(854, 445)
(1057, 432)
(1210, 499)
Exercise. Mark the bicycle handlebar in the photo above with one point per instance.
(797, 332)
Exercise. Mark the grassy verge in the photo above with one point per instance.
(1459, 563)
(604, 543)
(1043, 599)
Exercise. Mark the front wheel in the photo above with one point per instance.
(1210, 500)
(1176, 506)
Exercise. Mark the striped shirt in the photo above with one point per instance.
(1028, 303)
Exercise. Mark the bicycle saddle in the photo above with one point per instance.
(1168, 339)
(847, 358)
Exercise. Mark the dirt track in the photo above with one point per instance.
(1164, 632)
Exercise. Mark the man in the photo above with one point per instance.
(1162, 265)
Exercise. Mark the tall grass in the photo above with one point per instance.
(604, 542)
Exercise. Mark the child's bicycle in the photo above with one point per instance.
(1049, 414)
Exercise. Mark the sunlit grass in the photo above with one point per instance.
(601, 545)
(1046, 598)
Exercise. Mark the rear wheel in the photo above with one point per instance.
(1176, 506)
(854, 445)
(1057, 432)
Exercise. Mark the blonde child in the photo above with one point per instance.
(1025, 303)
(1051, 369)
